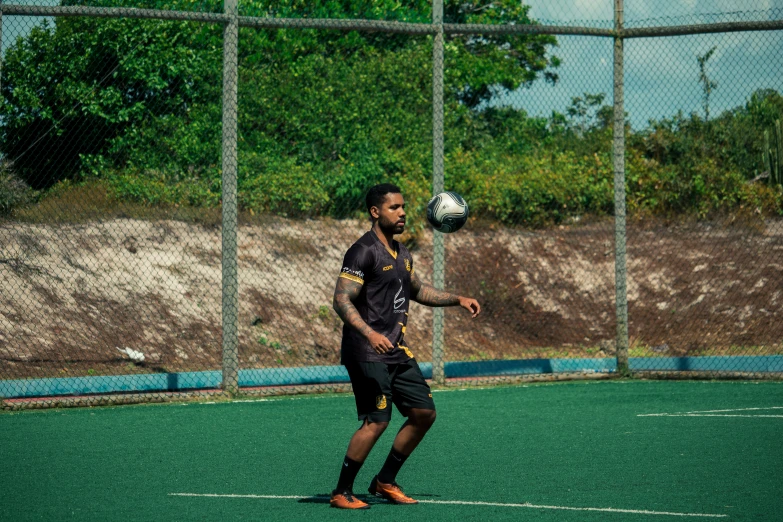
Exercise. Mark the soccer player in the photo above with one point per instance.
(374, 288)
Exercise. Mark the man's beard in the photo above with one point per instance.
(389, 227)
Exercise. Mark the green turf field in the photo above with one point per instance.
(571, 451)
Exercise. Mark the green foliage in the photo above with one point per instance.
(687, 164)
(480, 68)
(323, 114)
(285, 188)
(85, 87)
(706, 188)
(537, 172)
(533, 171)
(773, 153)
(13, 191)
(136, 106)
(707, 85)
(324, 312)
(535, 190)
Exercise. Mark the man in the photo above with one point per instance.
(374, 289)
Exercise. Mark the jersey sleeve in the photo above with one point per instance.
(357, 262)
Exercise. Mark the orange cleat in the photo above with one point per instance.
(391, 492)
(346, 500)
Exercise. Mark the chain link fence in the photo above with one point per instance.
(180, 181)
(703, 291)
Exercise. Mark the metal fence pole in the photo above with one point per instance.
(438, 247)
(229, 228)
(1, 44)
(618, 153)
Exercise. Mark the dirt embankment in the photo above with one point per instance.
(72, 295)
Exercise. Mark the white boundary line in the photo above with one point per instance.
(717, 413)
(712, 415)
(304, 398)
(465, 503)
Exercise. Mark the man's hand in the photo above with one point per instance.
(471, 305)
(379, 342)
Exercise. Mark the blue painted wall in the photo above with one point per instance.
(337, 374)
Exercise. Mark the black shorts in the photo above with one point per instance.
(377, 385)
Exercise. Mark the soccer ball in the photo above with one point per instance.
(447, 212)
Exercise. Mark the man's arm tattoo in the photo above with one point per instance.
(428, 295)
(344, 293)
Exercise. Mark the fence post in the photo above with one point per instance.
(1, 44)
(438, 253)
(618, 156)
(229, 181)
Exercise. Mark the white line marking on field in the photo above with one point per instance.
(466, 503)
(713, 415)
(718, 413)
(268, 399)
(740, 409)
(273, 497)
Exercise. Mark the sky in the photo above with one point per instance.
(16, 26)
(661, 74)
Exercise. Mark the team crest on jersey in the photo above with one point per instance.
(380, 402)
(407, 264)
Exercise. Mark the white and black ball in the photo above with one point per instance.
(447, 212)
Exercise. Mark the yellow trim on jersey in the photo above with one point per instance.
(407, 352)
(392, 252)
(352, 277)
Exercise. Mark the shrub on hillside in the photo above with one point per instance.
(535, 190)
(13, 191)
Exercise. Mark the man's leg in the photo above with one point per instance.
(413, 398)
(413, 430)
(360, 446)
(410, 435)
(364, 439)
(372, 391)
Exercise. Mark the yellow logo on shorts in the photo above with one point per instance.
(380, 402)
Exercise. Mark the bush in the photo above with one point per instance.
(534, 190)
(284, 188)
(324, 115)
(701, 189)
(13, 191)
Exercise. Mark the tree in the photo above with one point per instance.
(707, 85)
(106, 95)
(71, 89)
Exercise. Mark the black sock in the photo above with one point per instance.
(391, 467)
(348, 474)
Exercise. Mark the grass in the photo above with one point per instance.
(90, 201)
(566, 445)
(639, 349)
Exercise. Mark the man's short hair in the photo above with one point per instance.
(377, 195)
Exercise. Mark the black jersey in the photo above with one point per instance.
(383, 301)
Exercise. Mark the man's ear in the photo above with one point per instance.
(375, 212)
